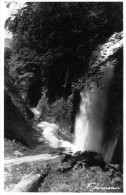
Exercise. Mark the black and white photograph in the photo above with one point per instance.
(63, 68)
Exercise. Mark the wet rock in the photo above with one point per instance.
(18, 154)
(87, 158)
(31, 182)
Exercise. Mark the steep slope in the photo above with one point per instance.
(16, 117)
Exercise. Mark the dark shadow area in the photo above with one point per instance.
(16, 118)
(114, 115)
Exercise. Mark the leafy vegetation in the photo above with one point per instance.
(59, 111)
(7, 57)
(51, 49)
(15, 173)
(83, 176)
(82, 180)
(48, 61)
(77, 175)
(53, 42)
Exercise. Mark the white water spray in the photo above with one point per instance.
(89, 121)
(50, 133)
(89, 129)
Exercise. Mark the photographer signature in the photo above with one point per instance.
(96, 186)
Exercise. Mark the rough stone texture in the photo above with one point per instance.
(18, 154)
(16, 97)
(16, 117)
(29, 183)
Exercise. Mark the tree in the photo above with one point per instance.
(53, 41)
(7, 57)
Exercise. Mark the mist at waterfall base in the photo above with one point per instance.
(89, 127)
(89, 123)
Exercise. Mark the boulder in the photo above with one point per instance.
(18, 154)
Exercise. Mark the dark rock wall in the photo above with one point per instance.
(16, 123)
(114, 114)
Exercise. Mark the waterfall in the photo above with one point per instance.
(89, 123)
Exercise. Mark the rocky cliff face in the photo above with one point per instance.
(17, 116)
(114, 114)
(99, 121)
(105, 57)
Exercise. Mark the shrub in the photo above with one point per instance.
(59, 111)
(43, 106)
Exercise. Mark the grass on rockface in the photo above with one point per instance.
(15, 173)
(68, 174)
(82, 175)
(78, 179)
(92, 179)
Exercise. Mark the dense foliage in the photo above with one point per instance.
(51, 49)
(48, 61)
(62, 177)
(7, 57)
(52, 44)
(83, 173)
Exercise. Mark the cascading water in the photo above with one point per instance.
(89, 122)
(49, 132)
